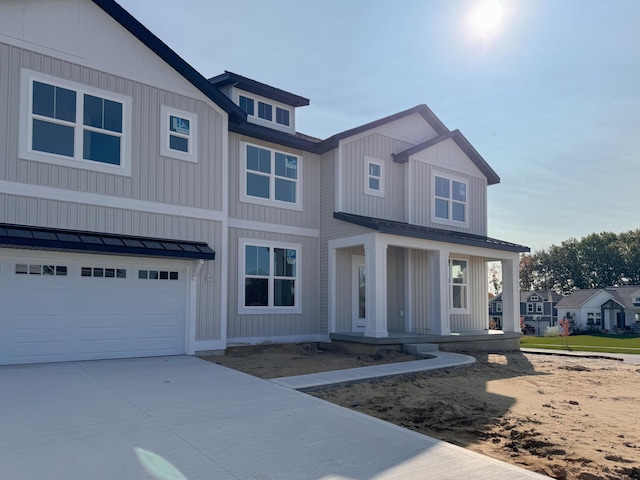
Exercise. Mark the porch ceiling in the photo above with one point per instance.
(427, 233)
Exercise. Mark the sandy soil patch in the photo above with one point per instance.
(569, 418)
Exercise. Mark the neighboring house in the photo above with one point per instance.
(538, 308)
(146, 210)
(610, 308)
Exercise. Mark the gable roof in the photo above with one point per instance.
(578, 297)
(625, 295)
(262, 89)
(465, 146)
(142, 33)
(429, 233)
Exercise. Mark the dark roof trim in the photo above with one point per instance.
(124, 18)
(40, 238)
(465, 146)
(267, 134)
(428, 233)
(262, 89)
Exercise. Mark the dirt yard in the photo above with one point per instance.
(569, 418)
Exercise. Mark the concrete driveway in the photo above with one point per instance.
(183, 417)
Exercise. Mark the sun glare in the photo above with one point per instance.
(487, 16)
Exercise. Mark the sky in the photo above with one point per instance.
(550, 96)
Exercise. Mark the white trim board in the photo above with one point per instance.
(273, 228)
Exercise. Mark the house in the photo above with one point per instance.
(610, 308)
(147, 210)
(537, 307)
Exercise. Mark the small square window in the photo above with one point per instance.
(61, 271)
(173, 276)
(143, 274)
(247, 105)
(164, 275)
(85, 272)
(109, 272)
(22, 269)
(282, 116)
(265, 111)
(35, 269)
(121, 273)
(153, 275)
(48, 270)
(98, 272)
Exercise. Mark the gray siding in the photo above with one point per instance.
(355, 201)
(419, 279)
(422, 202)
(262, 325)
(38, 212)
(395, 289)
(153, 177)
(308, 217)
(344, 287)
(478, 317)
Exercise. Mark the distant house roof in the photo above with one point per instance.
(576, 298)
(133, 26)
(56, 239)
(546, 295)
(428, 233)
(262, 89)
(465, 146)
(625, 295)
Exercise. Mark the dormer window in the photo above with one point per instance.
(282, 116)
(534, 298)
(247, 105)
(265, 111)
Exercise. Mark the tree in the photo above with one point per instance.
(495, 279)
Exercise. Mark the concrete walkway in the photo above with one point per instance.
(108, 419)
(627, 358)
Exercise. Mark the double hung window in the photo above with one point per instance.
(458, 283)
(272, 176)
(374, 177)
(179, 134)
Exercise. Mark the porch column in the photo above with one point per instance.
(438, 291)
(511, 295)
(375, 254)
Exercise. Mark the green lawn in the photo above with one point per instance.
(586, 343)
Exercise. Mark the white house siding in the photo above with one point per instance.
(76, 216)
(308, 185)
(257, 328)
(395, 289)
(478, 316)
(421, 194)
(344, 287)
(379, 147)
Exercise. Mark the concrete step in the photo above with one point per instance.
(420, 348)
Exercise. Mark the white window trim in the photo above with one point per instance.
(370, 191)
(539, 308)
(261, 121)
(530, 308)
(165, 113)
(444, 221)
(244, 310)
(27, 153)
(498, 307)
(466, 285)
(269, 202)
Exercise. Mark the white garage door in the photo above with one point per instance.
(60, 307)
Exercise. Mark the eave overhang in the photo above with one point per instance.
(258, 88)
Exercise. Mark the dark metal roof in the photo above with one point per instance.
(262, 89)
(428, 233)
(465, 146)
(124, 18)
(40, 238)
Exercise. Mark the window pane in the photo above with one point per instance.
(442, 208)
(459, 191)
(374, 184)
(173, 276)
(284, 260)
(43, 99)
(265, 111)
(35, 269)
(85, 272)
(143, 274)
(284, 293)
(61, 270)
(98, 272)
(93, 111)
(48, 270)
(179, 143)
(257, 185)
(286, 165)
(121, 273)
(258, 159)
(179, 125)
(374, 169)
(101, 147)
(65, 104)
(164, 275)
(246, 104)
(113, 116)
(22, 268)
(458, 271)
(52, 138)
(153, 275)
(282, 116)
(457, 211)
(110, 273)
(256, 260)
(458, 296)
(285, 190)
(256, 292)
(442, 187)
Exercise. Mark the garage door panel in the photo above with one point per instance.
(62, 318)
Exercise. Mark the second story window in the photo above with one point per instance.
(282, 116)
(374, 177)
(272, 176)
(450, 200)
(265, 111)
(247, 105)
(178, 134)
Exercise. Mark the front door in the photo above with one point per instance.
(359, 317)
(620, 320)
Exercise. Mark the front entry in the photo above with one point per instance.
(359, 315)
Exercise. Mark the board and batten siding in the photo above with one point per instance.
(75, 216)
(378, 147)
(308, 184)
(154, 178)
(344, 287)
(275, 325)
(396, 289)
(478, 317)
(419, 273)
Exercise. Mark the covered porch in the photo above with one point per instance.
(419, 285)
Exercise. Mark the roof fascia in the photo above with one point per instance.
(258, 88)
(275, 136)
(142, 33)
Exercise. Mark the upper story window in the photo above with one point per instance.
(247, 105)
(529, 307)
(179, 134)
(534, 298)
(374, 177)
(74, 125)
(538, 308)
(267, 112)
(282, 116)
(458, 283)
(271, 177)
(450, 200)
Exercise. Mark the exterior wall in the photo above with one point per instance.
(344, 288)
(395, 289)
(419, 311)
(308, 185)
(478, 317)
(262, 326)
